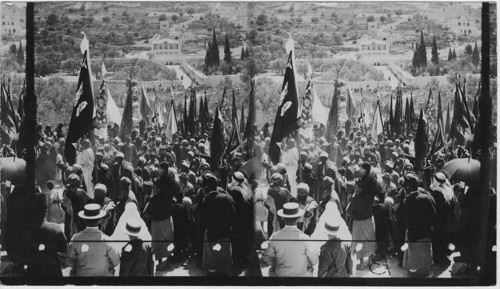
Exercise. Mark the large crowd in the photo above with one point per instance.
(134, 206)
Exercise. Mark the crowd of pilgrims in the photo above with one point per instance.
(142, 204)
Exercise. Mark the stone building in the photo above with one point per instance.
(13, 18)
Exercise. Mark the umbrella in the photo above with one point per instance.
(464, 170)
(13, 170)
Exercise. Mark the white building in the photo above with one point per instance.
(13, 20)
(165, 46)
(230, 10)
(463, 26)
(374, 51)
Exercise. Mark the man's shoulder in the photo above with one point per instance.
(51, 227)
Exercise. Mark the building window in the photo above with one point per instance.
(469, 31)
(468, 24)
(3, 23)
(14, 31)
(459, 24)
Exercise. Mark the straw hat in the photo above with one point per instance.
(91, 212)
(290, 211)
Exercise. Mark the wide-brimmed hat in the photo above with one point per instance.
(332, 227)
(132, 227)
(290, 211)
(91, 212)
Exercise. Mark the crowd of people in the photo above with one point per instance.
(330, 208)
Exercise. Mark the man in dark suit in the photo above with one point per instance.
(321, 167)
(49, 242)
(118, 171)
(217, 214)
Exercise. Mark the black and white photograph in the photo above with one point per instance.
(274, 143)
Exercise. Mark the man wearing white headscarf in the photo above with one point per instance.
(446, 217)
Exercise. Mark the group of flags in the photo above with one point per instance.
(10, 118)
(86, 116)
(289, 116)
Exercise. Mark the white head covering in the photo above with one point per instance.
(131, 212)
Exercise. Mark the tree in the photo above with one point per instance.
(227, 51)
(242, 56)
(468, 49)
(215, 50)
(129, 38)
(422, 51)
(454, 54)
(399, 12)
(52, 19)
(181, 14)
(20, 54)
(337, 40)
(190, 11)
(13, 49)
(302, 69)
(435, 57)
(106, 19)
(450, 55)
(415, 61)
(162, 17)
(315, 20)
(261, 20)
(475, 56)
(175, 17)
(370, 18)
(383, 18)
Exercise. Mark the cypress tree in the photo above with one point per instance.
(454, 54)
(208, 58)
(415, 59)
(475, 56)
(242, 53)
(450, 55)
(215, 51)
(422, 51)
(247, 54)
(20, 54)
(227, 51)
(435, 58)
(468, 49)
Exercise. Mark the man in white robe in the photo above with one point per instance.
(86, 160)
(291, 161)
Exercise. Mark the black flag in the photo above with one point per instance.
(82, 117)
(287, 118)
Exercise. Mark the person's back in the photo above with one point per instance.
(137, 259)
(419, 213)
(290, 258)
(90, 254)
(44, 262)
(335, 259)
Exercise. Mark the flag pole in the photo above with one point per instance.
(30, 99)
(297, 137)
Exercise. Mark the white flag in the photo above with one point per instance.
(171, 128)
(112, 113)
(309, 71)
(103, 70)
(84, 45)
(289, 44)
(377, 127)
(319, 113)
